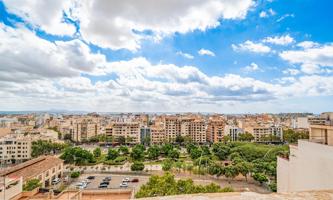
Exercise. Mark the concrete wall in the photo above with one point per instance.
(310, 167)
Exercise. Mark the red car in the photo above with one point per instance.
(135, 180)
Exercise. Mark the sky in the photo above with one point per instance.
(223, 56)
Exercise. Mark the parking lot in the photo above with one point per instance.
(114, 183)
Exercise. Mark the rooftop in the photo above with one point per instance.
(32, 167)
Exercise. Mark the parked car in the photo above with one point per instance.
(81, 185)
(123, 184)
(135, 180)
(126, 179)
(102, 186)
(43, 190)
(56, 181)
(108, 178)
(91, 177)
(105, 182)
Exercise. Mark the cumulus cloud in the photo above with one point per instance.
(291, 71)
(310, 58)
(282, 40)
(34, 57)
(307, 44)
(118, 24)
(206, 52)
(46, 15)
(251, 47)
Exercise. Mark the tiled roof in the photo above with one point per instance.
(32, 168)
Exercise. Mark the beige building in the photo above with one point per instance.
(310, 163)
(259, 132)
(10, 187)
(44, 168)
(172, 126)
(157, 135)
(85, 129)
(215, 130)
(126, 129)
(14, 148)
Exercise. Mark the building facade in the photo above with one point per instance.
(310, 163)
(14, 149)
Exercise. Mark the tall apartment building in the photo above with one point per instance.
(172, 126)
(126, 129)
(85, 129)
(145, 137)
(310, 163)
(157, 135)
(197, 130)
(215, 130)
(14, 149)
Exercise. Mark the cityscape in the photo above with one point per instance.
(171, 100)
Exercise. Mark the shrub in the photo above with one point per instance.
(31, 184)
(75, 174)
(137, 166)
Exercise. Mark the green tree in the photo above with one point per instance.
(173, 154)
(123, 150)
(97, 152)
(195, 153)
(246, 137)
(221, 150)
(179, 139)
(205, 150)
(166, 148)
(153, 152)
(230, 172)
(244, 168)
(75, 174)
(167, 164)
(138, 152)
(112, 154)
(31, 185)
(215, 169)
(121, 140)
(260, 177)
(77, 155)
(137, 166)
(226, 139)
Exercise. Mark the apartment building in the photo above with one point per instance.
(215, 130)
(44, 168)
(197, 131)
(233, 131)
(310, 163)
(83, 129)
(172, 126)
(157, 135)
(259, 132)
(129, 130)
(145, 135)
(14, 149)
(300, 123)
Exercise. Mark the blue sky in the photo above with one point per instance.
(256, 56)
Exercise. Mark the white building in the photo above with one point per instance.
(10, 187)
(310, 163)
(300, 123)
(233, 132)
(14, 148)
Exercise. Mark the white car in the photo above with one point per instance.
(55, 181)
(126, 179)
(81, 185)
(123, 184)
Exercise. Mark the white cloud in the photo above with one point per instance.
(36, 58)
(46, 15)
(284, 17)
(185, 55)
(265, 14)
(252, 68)
(291, 71)
(251, 47)
(206, 52)
(110, 24)
(311, 58)
(282, 40)
(307, 44)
